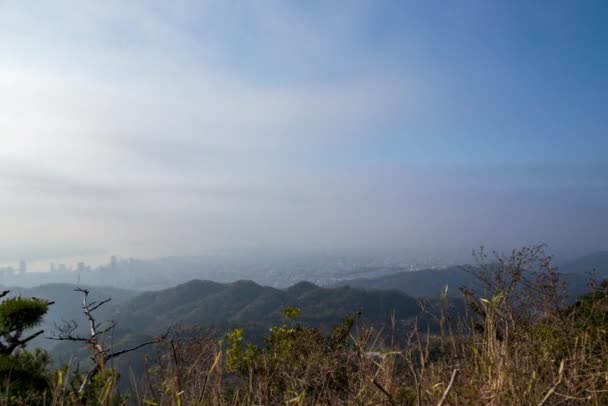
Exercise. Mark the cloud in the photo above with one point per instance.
(214, 124)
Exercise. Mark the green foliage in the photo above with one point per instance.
(291, 312)
(21, 313)
(591, 311)
(23, 375)
(239, 360)
(294, 359)
(102, 387)
(590, 318)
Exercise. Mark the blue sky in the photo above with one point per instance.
(153, 128)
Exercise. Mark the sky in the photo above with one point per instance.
(153, 128)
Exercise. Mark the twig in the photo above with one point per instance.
(388, 395)
(554, 387)
(95, 305)
(137, 347)
(176, 361)
(447, 390)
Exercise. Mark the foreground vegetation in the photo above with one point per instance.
(520, 341)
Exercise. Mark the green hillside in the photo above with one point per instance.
(210, 304)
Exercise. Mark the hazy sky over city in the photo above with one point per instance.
(156, 128)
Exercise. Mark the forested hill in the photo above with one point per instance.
(217, 305)
(225, 306)
(207, 303)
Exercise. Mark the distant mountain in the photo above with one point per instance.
(245, 303)
(429, 283)
(596, 263)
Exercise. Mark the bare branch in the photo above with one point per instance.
(100, 354)
(94, 306)
(66, 331)
(87, 312)
(69, 338)
(384, 391)
(16, 341)
(112, 325)
(137, 347)
(447, 390)
(30, 338)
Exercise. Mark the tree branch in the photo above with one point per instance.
(16, 341)
(94, 306)
(137, 347)
(69, 338)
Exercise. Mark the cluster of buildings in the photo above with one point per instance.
(57, 273)
(11, 271)
(80, 267)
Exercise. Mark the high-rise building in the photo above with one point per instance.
(22, 267)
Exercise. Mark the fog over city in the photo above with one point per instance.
(152, 129)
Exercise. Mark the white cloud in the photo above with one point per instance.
(135, 124)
